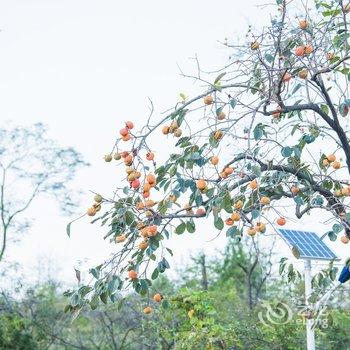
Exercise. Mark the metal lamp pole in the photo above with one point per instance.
(310, 330)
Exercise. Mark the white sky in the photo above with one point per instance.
(82, 68)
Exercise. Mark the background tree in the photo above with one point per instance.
(31, 164)
(264, 140)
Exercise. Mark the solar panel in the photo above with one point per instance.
(308, 245)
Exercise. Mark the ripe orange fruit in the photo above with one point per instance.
(152, 230)
(108, 158)
(146, 187)
(265, 200)
(308, 49)
(235, 217)
(91, 211)
(128, 159)
(303, 24)
(126, 138)
(299, 51)
(146, 194)
(143, 245)
(253, 184)
(254, 45)
(214, 160)
(132, 274)
(173, 126)
(345, 191)
(229, 222)
(337, 193)
(221, 115)
(238, 205)
(218, 135)
(260, 227)
(200, 212)
(165, 130)
(281, 221)
(124, 154)
(129, 125)
(331, 158)
(124, 132)
(151, 179)
(295, 189)
(208, 100)
(144, 232)
(135, 184)
(345, 239)
(336, 165)
(150, 203)
(303, 74)
(251, 231)
(157, 298)
(147, 310)
(150, 156)
(228, 171)
(201, 185)
(325, 162)
(286, 77)
(120, 238)
(223, 175)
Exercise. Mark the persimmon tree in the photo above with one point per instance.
(264, 141)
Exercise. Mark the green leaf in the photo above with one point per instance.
(219, 223)
(258, 132)
(255, 213)
(129, 218)
(181, 228)
(165, 304)
(113, 285)
(256, 169)
(337, 228)
(218, 78)
(103, 297)
(155, 274)
(95, 272)
(332, 236)
(286, 151)
(94, 302)
(190, 226)
(269, 57)
(68, 228)
(232, 231)
(233, 103)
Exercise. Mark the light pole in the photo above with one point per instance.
(310, 330)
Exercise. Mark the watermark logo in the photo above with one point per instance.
(275, 313)
(279, 313)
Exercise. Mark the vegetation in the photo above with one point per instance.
(190, 316)
(30, 159)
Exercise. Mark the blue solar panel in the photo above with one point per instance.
(308, 244)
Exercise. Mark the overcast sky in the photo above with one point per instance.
(82, 68)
